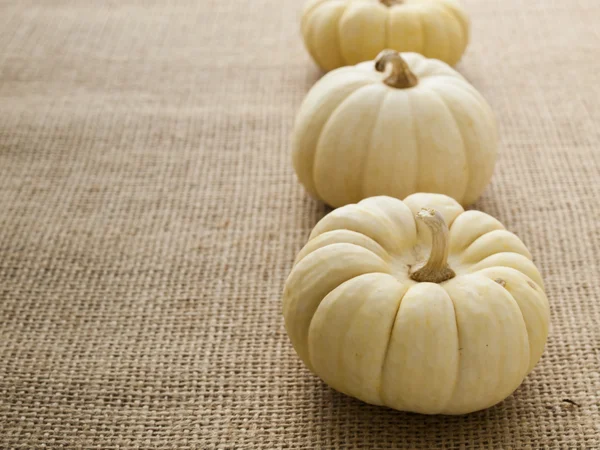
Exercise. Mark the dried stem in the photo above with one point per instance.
(400, 76)
(436, 269)
(391, 2)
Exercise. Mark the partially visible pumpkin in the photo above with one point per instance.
(442, 313)
(420, 128)
(345, 32)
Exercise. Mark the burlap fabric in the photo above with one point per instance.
(149, 216)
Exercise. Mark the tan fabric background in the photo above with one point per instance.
(149, 216)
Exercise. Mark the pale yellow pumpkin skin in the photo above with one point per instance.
(357, 137)
(358, 321)
(339, 33)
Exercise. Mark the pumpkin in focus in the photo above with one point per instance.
(417, 305)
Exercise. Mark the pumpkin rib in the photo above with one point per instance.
(340, 355)
(338, 34)
(388, 27)
(524, 327)
(385, 255)
(402, 14)
(381, 218)
(393, 215)
(358, 208)
(291, 305)
(456, 377)
(390, 168)
(482, 105)
(355, 318)
(503, 355)
(414, 126)
(401, 389)
(449, 38)
(493, 223)
(308, 12)
(310, 323)
(308, 34)
(331, 20)
(433, 21)
(440, 164)
(454, 43)
(423, 30)
(344, 334)
(337, 244)
(303, 155)
(440, 70)
(487, 126)
(538, 294)
(324, 128)
(346, 60)
(462, 139)
(463, 23)
(387, 348)
(465, 88)
(306, 30)
(508, 234)
(338, 37)
(369, 148)
(528, 262)
(440, 16)
(544, 318)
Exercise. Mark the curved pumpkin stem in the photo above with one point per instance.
(436, 269)
(391, 2)
(401, 76)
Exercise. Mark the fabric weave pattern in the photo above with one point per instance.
(149, 215)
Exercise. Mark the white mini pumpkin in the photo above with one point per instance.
(412, 314)
(421, 128)
(344, 32)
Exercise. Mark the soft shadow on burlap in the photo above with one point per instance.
(149, 216)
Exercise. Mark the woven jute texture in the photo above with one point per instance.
(149, 216)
